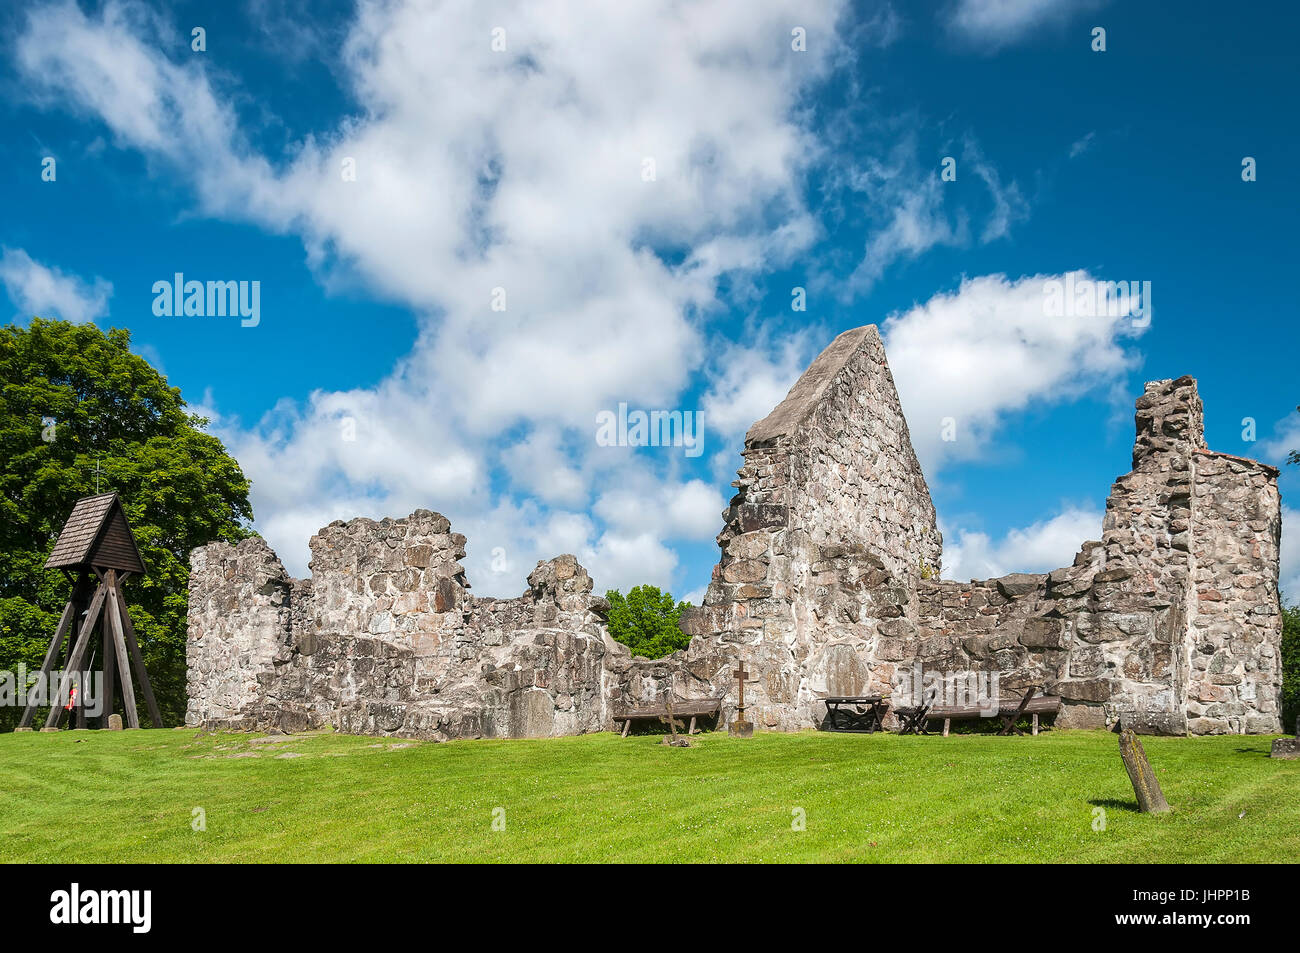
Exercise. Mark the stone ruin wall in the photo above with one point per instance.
(1233, 660)
(826, 585)
(385, 638)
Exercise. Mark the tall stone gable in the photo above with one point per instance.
(830, 532)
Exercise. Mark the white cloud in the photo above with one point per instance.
(906, 198)
(1290, 556)
(538, 465)
(1286, 437)
(1040, 547)
(44, 291)
(917, 224)
(1082, 145)
(685, 511)
(476, 170)
(992, 348)
(998, 23)
(748, 379)
(1009, 206)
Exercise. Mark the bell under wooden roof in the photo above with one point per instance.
(97, 536)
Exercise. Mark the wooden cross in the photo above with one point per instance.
(739, 727)
(741, 675)
(673, 723)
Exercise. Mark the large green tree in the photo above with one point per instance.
(80, 412)
(1290, 667)
(645, 620)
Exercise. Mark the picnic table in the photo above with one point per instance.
(692, 708)
(863, 713)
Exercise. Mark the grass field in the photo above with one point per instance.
(79, 797)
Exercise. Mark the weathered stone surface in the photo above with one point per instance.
(404, 652)
(828, 583)
(1019, 584)
(1154, 722)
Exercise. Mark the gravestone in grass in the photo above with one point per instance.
(672, 739)
(1288, 748)
(1150, 798)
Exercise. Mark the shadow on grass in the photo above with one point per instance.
(1257, 752)
(1111, 803)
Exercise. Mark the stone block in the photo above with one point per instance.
(745, 570)
(1154, 722)
(1086, 689)
(1081, 716)
(1020, 584)
(1042, 633)
(1286, 748)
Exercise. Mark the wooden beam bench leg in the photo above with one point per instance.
(1035, 724)
(946, 723)
(691, 729)
(627, 724)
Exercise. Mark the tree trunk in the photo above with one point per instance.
(1149, 796)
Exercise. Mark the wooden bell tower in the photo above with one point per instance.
(97, 552)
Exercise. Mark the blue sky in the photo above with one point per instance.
(379, 377)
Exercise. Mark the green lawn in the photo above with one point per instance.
(79, 797)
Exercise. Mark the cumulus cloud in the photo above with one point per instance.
(604, 187)
(749, 378)
(997, 23)
(1039, 547)
(964, 360)
(687, 511)
(551, 173)
(44, 291)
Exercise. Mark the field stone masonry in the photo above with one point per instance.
(828, 583)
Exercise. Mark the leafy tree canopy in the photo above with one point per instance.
(645, 620)
(76, 404)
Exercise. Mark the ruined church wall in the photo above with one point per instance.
(825, 585)
(386, 639)
(239, 631)
(1169, 623)
(1234, 637)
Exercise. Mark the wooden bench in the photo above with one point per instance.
(1009, 710)
(692, 708)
